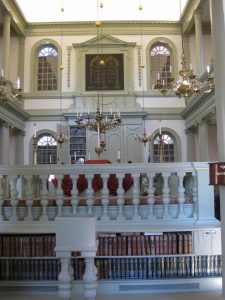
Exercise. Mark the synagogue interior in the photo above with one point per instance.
(112, 138)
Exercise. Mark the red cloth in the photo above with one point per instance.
(97, 161)
(97, 182)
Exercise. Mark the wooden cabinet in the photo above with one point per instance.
(77, 144)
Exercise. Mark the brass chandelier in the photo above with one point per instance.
(7, 91)
(99, 121)
(189, 83)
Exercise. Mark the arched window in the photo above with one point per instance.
(164, 149)
(160, 61)
(47, 69)
(46, 149)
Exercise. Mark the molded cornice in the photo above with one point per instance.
(13, 114)
(105, 40)
(108, 28)
(18, 21)
(189, 13)
(200, 106)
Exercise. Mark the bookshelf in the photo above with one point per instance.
(77, 143)
(120, 256)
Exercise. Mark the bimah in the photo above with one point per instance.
(76, 233)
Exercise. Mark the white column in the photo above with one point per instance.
(191, 147)
(4, 138)
(6, 43)
(203, 141)
(218, 45)
(19, 148)
(199, 43)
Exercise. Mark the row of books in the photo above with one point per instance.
(166, 243)
(27, 245)
(125, 244)
(115, 268)
(159, 267)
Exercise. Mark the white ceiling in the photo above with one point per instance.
(88, 10)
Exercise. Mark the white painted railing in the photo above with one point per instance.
(126, 196)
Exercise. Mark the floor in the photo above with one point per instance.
(165, 296)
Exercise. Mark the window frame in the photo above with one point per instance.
(173, 58)
(34, 66)
(177, 144)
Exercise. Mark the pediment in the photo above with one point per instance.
(103, 41)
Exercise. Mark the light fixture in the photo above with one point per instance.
(61, 138)
(99, 122)
(7, 91)
(189, 83)
(144, 138)
(161, 144)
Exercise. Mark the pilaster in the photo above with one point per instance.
(199, 43)
(6, 44)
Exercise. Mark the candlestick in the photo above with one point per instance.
(75, 156)
(18, 83)
(118, 154)
(158, 76)
(98, 135)
(2, 72)
(50, 158)
(35, 130)
(35, 158)
(89, 155)
(208, 69)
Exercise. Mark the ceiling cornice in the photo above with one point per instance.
(18, 22)
(189, 13)
(109, 28)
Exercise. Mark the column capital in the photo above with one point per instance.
(7, 16)
(198, 13)
(6, 124)
(191, 130)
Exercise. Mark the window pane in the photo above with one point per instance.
(163, 149)
(46, 149)
(47, 68)
(160, 59)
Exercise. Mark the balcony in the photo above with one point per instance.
(124, 197)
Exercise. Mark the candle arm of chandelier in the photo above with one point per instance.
(7, 91)
(106, 122)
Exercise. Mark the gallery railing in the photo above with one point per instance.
(130, 196)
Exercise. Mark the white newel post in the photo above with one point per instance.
(59, 195)
(14, 200)
(90, 275)
(136, 195)
(74, 194)
(151, 200)
(105, 197)
(44, 199)
(82, 238)
(90, 193)
(29, 201)
(120, 197)
(205, 195)
(181, 196)
(64, 277)
(166, 198)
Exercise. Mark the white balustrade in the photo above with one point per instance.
(105, 197)
(172, 192)
(120, 197)
(74, 195)
(151, 200)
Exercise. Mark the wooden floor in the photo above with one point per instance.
(164, 296)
